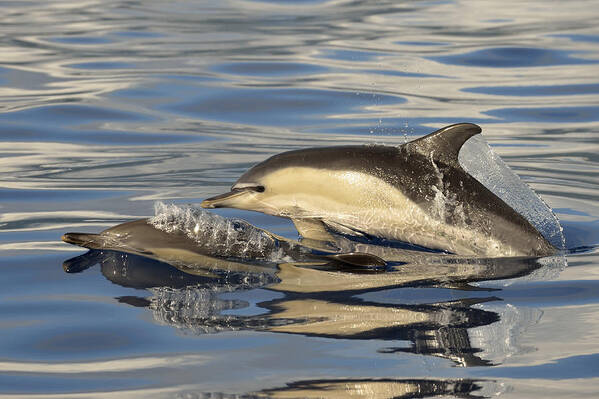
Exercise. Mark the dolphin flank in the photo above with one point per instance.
(416, 193)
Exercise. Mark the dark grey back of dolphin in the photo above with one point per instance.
(377, 160)
(420, 169)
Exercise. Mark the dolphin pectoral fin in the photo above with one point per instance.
(343, 229)
(359, 259)
(445, 143)
(326, 246)
(314, 234)
(312, 229)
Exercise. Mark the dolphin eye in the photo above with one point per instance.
(248, 187)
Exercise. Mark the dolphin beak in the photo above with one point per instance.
(223, 200)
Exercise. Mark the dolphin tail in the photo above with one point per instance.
(86, 240)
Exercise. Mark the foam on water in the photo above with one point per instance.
(198, 310)
(500, 341)
(480, 161)
(193, 310)
(220, 236)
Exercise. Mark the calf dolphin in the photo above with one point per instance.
(416, 193)
(195, 241)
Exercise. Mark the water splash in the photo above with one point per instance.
(480, 161)
(220, 236)
(193, 310)
(500, 341)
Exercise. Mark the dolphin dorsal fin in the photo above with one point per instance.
(444, 144)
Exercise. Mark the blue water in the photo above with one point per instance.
(107, 107)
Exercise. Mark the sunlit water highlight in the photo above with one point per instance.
(108, 107)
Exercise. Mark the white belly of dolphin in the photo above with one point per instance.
(368, 204)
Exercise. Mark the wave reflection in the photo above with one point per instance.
(321, 297)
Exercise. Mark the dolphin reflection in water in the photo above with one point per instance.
(370, 388)
(184, 268)
(384, 388)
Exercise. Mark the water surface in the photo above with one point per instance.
(107, 107)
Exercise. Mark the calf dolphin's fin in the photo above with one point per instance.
(444, 144)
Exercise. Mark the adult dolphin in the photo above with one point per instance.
(416, 193)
